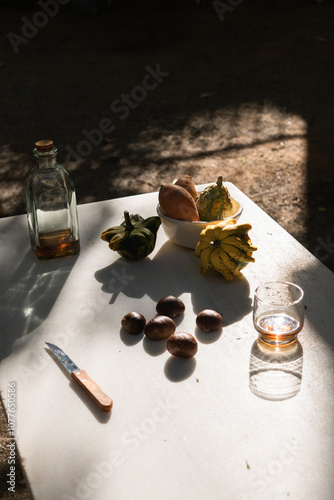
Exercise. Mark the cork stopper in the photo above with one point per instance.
(44, 146)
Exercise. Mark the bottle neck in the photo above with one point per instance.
(46, 158)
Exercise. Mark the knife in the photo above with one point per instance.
(95, 392)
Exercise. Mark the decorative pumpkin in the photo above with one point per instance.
(214, 202)
(135, 238)
(225, 247)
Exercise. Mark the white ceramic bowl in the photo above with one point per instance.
(187, 233)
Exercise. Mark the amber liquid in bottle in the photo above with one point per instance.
(57, 244)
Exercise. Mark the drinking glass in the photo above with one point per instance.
(278, 312)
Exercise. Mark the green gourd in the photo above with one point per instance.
(214, 203)
(135, 238)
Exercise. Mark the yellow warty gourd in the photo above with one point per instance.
(225, 247)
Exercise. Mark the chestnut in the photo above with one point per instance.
(160, 327)
(170, 306)
(209, 320)
(133, 323)
(182, 344)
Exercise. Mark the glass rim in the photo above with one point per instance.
(280, 283)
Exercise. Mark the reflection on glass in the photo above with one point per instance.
(275, 372)
(278, 312)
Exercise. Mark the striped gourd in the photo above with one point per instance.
(214, 202)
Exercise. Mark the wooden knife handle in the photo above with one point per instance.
(95, 392)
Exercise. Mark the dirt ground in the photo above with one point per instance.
(143, 92)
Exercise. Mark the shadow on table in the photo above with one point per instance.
(175, 270)
(179, 369)
(318, 285)
(30, 296)
(275, 373)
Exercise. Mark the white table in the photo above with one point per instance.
(179, 429)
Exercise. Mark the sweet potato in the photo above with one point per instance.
(177, 202)
(186, 181)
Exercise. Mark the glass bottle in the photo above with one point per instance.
(51, 206)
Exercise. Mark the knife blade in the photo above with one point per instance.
(95, 392)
